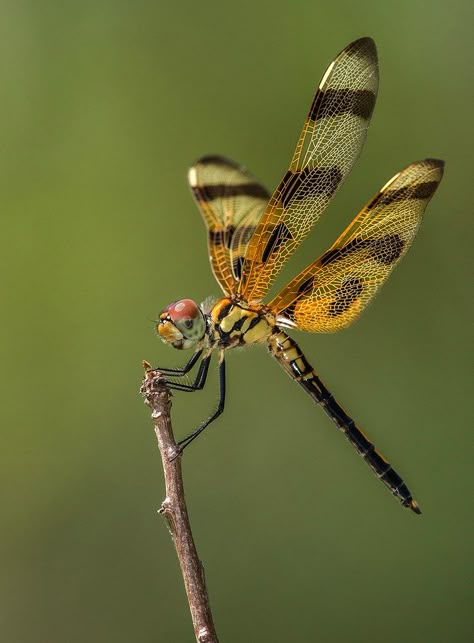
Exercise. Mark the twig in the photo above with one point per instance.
(173, 508)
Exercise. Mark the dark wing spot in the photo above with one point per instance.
(222, 236)
(279, 235)
(305, 287)
(387, 249)
(196, 193)
(223, 190)
(425, 190)
(363, 47)
(317, 180)
(237, 264)
(229, 231)
(231, 236)
(345, 296)
(338, 253)
(289, 311)
(384, 250)
(334, 102)
(330, 255)
(216, 237)
(289, 185)
(420, 191)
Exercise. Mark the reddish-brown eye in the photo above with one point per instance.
(183, 309)
(182, 324)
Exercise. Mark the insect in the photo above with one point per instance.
(251, 234)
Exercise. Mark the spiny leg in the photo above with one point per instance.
(182, 444)
(199, 381)
(179, 372)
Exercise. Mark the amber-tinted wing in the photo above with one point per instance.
(231, 202)
(329, 144)
(330, 294)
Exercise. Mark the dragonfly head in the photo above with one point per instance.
(182, 324)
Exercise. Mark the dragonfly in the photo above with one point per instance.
(251, 234)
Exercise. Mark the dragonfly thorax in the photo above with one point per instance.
(182, 324)
(236, 323)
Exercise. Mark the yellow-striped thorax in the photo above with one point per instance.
(236, 323)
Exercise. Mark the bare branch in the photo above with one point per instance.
(173, 508)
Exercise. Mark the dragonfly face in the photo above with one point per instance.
(251, 234)
(182, 324)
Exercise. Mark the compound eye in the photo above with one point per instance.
(184, 309)
(182, 324)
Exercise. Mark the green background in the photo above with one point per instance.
(104, 106)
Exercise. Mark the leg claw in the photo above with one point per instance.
(175, 453)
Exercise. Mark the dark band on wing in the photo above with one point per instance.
(304, 287)
(317, 180)
(334, 102)
(226, 235)
(221, 236)
(338, 253)
(387, 249)
(364, 47)
(221, 190)
(279, 235)
(237, 264)
(420, 191)
(345, 296)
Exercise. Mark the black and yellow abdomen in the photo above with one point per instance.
(289, 355)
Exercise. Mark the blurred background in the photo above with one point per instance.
(104, 106)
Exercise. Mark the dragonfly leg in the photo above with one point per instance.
(198, 383)
(179, 372)
(182, 444)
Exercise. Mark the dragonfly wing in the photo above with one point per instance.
(231, 201)
(329, 144)
(331, 293)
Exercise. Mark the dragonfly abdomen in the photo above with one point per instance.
(289, 355)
